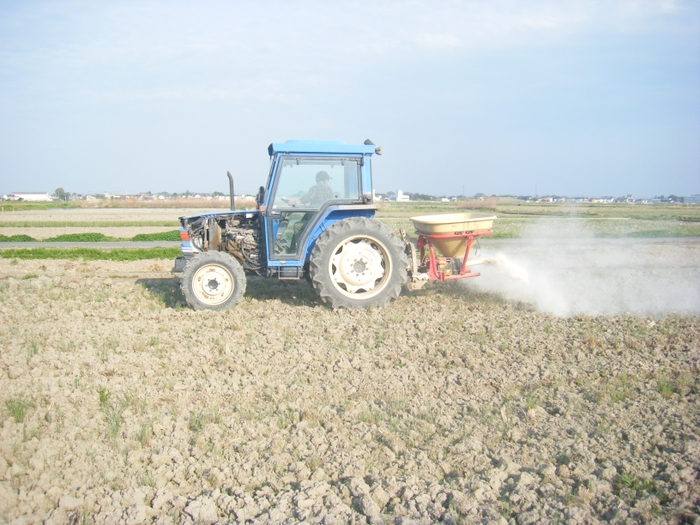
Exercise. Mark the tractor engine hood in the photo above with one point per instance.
(224, 213)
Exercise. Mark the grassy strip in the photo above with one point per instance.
(33, 206)
(90, 254)
(87, 224)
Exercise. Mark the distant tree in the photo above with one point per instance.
(61, 195)
(422, 197)
(217, 194)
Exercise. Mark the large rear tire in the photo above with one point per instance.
(358, 263)
(213, 281)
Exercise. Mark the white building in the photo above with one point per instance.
(400, 197)
(29, 197)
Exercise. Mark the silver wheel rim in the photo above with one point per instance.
(212, 284)
(360, 267)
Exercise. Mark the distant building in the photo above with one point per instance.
(29, 197)
(693, 199)
(402, 197)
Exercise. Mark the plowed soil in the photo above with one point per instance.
(121, 405)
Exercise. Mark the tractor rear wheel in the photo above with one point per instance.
(358, 263)
(213, 281)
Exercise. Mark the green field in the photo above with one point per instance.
(515, 219)
(522, 219)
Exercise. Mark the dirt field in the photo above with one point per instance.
(453, 405)
(99, 214)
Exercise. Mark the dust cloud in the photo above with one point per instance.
(580, 274)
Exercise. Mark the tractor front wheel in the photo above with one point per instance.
(213, 281)
(358, 263)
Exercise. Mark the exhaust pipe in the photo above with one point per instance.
(230, 187)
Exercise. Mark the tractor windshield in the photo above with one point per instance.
(309, 182)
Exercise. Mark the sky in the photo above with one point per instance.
(504, 97)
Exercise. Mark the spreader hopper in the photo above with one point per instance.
(447, 232)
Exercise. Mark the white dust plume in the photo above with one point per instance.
(593, 276)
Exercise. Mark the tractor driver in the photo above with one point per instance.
(316, 196)
(319, 193)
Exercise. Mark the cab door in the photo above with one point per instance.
(296, 200)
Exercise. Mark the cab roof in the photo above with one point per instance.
(320, 146)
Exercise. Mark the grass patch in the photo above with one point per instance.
(32, 349)
(371, 417)
(91, 254)
(82, 237)
(112, 407)
(664, 386)
(146, 480)
(104, 396)
(630, 488)
(33, 206)
(114, 423)
(198, 420)
(18, 408)
(145, 434)
(161, 236)
(16, 238)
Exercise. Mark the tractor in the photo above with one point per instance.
(314, 219)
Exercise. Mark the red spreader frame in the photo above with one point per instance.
(429, 260)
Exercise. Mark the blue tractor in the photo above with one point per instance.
(314, 219)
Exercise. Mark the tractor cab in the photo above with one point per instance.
(311, 185)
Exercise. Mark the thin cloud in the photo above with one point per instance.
(438, 41)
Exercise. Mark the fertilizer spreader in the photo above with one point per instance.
(442, 239)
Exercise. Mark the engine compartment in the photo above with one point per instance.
(239, 234)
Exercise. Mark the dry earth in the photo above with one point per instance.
(106, 221)
(118, 405)
(125, 232)
(99, 214)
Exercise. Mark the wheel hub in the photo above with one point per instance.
(357, 265)
(213, 284)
